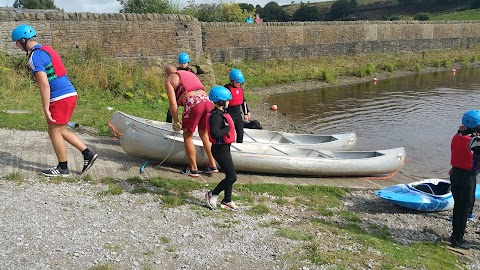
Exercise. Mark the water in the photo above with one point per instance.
(419, 112)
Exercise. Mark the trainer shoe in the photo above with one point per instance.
(211, 200)
(470, 218)
(56, 171)
(210, 170)
(228, 205)
(87, 163)
(190, 172)
(460, 244)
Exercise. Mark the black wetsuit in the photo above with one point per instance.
(463, 184)
(236, 114)
(221, 153)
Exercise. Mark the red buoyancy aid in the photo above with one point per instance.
(237, 95)
(229, 138)
(56, 69)
(188, 82)
(462, 157)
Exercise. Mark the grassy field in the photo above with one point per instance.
(467, 15)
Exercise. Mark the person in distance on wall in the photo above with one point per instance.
(249, 19)
(185, 89)
(238, 103)
(183, 61)
(257, 18)
(58, 95)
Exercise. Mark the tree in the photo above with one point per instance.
(307, 13)
(247, 7)
(272, 12)
(145, 6)
(259, 11)
(353, 4)
(35, 4)
(475, 4)
(340, 8)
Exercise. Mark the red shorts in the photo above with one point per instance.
(62, 110)
(195, 113)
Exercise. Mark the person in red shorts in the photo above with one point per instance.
(58, 95)
(185, 89)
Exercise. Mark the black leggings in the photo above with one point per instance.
(221, 153)
(463, 191)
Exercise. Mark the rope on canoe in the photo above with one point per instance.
(142, 169)
(389, 175)
(116, 133)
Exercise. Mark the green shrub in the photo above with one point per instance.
(370, 69)
(417, 67)
(421, 16)
(388, 67)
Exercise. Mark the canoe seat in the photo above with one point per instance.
(425, 188)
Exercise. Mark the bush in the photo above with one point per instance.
(475, 4)
(422, 17)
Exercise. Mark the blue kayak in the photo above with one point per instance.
(426, 195)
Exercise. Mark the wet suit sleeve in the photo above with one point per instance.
(218, 129)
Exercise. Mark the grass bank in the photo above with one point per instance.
(106, 85)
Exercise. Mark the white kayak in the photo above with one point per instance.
(345, 141)
(154, 142)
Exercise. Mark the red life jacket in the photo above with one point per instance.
(462, 157)
(229, 137)
(237, 95)
(55, 69)
(188, 82)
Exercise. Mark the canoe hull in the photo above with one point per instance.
(119, 121)
(406, 196)
(153, 143)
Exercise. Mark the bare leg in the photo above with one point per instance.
(59, 146)
(190, 149)
(207, 145)
(73, 139)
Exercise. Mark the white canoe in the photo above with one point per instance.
(155, 143)
(344, 141)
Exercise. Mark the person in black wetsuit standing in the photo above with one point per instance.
(221, 134)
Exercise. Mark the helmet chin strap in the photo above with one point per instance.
(24, 42)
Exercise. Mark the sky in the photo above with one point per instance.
(113, 6)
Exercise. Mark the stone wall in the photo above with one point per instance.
(237, 41)
(160, 38)
(144, 37)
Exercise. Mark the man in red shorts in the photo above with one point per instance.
(59, 98)
(185, 89)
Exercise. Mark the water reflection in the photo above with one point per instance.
(420, 112)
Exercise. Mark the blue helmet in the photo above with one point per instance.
(183, 58)
(471, 119)
(236, 76)
(218, 93)
(23, 31)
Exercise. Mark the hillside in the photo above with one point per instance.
(382, 9)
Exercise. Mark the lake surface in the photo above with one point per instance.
(419, 112)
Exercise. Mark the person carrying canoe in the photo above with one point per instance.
(185, 89)
(222, 135)
(58, 95)
(183, 61)
(238, 103)
(465, 160)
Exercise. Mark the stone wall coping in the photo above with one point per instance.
(11, 14)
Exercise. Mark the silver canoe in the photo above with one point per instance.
(344, 141)
(154, 143)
